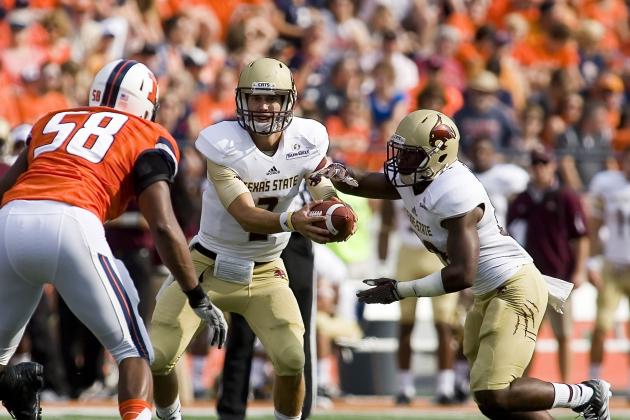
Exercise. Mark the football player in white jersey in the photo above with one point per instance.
(451, 213)
(255, 167)
(610, 191)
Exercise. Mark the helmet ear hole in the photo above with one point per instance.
(442, 158)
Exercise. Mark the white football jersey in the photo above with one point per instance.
(404, 228)
(613, 190)
(501, 182)
(273, 182)
(453, 193)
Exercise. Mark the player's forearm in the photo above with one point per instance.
(171, 245)
(371, 185)
(447, 280)
(256, 220)
(581, 249)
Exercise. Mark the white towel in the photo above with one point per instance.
(559, 291)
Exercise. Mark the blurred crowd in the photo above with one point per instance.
(518, 76)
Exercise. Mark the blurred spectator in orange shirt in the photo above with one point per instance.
(609, 89)
(218, 103)
(613, 15)
(21, 53)
(553, 49)
(38, 95)
(499, 10)
(468, 17)
(349, 134)
(475, 54)
(434, 78)
(10, 112)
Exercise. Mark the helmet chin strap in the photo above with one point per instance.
(261, 127)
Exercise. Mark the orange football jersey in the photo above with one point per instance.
(85, 157)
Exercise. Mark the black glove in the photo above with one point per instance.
(213, 316)
(384, 291)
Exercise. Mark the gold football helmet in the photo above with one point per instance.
(265, 76)
(425, 143)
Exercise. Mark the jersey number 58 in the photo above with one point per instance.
(90, 140)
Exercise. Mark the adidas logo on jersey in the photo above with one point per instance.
(273, 171)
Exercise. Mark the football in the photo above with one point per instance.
(340, 219)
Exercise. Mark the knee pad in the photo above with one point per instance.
(290, 361)
(161, 365)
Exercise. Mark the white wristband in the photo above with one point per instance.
(430, 285)
(284, 221)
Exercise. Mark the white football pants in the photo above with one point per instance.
(52, 242)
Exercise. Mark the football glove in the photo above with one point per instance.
(384, 291)
(336, 172)
(213, 316)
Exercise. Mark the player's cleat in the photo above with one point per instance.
(443, 399)
(20, 387)
(461, 393)
(402, 399)
(597, 407)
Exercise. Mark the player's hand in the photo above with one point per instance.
(336, 172)
(384, 291)
(212, 315)
(304, 224)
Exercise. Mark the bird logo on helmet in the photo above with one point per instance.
(128, 86)
(265, 76)
(425, 143)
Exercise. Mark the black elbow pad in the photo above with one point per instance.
(152, 166)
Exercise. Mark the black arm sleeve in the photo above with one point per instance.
(152, 166)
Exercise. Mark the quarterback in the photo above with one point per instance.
(81, 168)
(452, 215)
(255, 167)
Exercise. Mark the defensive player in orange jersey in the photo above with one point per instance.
(80, 169)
